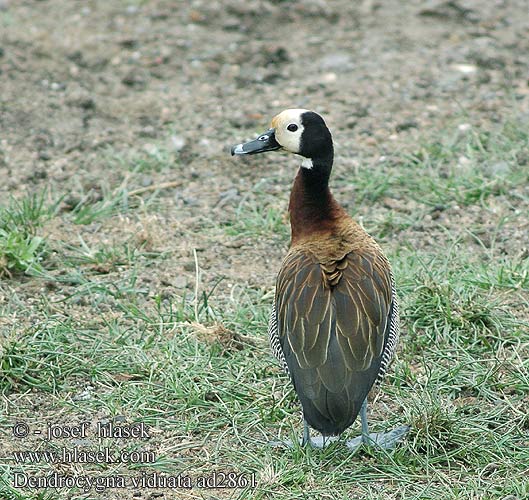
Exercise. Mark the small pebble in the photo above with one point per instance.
(82, 442)
(330, 77)
(150, 149)
(177, 143)
(180, 282)
(466, 69)
(84, 395)
(146, 180)
(148, 131)
(500, 168)
(463, 161)
(337, 61)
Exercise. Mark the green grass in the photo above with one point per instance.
(454, 170)
(258, 214)
(21, 247)
(155, 159)
(196, 367)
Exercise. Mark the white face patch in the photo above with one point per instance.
(307, 163)
(288, 129)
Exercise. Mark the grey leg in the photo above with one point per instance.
(316, 442)
(384, 440)
(306, 434)
(322, 441)
(306, 440)
(365, 426)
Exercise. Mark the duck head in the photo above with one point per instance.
(298, 131)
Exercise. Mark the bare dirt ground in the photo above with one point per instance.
(190, 78)
(81, 82)
(97, 96)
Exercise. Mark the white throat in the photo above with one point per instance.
(307, 163)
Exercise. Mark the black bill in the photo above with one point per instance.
(265, 142)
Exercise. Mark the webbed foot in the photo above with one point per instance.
(384, 440)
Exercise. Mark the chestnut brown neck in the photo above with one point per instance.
(312, 207)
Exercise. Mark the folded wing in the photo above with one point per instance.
(333, 323)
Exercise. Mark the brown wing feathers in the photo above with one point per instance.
(332, 322)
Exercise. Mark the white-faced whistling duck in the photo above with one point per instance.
(334, 324)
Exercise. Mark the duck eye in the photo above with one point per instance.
(292, 127)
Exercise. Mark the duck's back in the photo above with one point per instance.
(335, 322)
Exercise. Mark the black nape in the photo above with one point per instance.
(316, 140)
